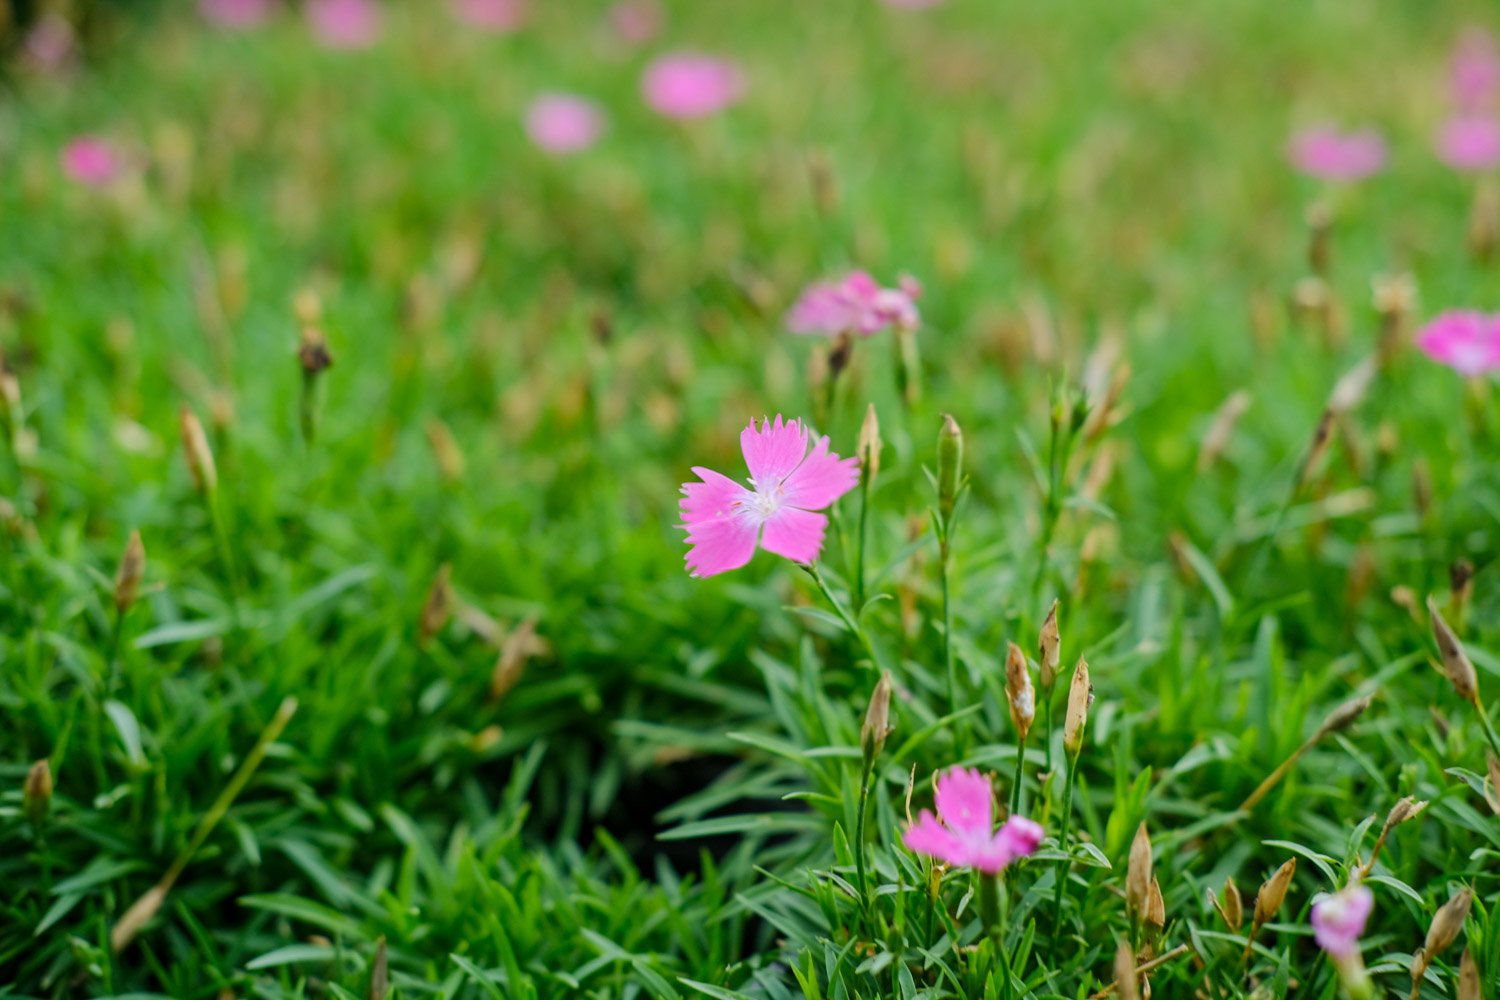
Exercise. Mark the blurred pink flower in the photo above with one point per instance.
(1470, 142)
(788, 484)
(636, 21)
(50, 43)
(856, 304)
(91, 160)
(562, 123)
(1338, 920)
(1474, 72)
(344, 24)
(1332, 155)
(1465, 340)
(687, 85)
(501, 16)
(912, 4)
(238, 15)
(966, 835)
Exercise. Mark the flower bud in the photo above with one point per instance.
(1468, 978)
(1080, 696)
(450, 457)
(1156, 907)
(1446, 923)
(950, 465)
(1273, 891)
(1322, 437)
(1125, 977)
(1492, 764)
(313, 354)
(439, 606)
(128, 576)
(200, 458)
(1049, 648)
(1455, 662)
(380, 974)
(1343, 716)
(1138, 873)
(1233, 905)
(37, 794)
(869, 447)
(877, 727)
(1019, 692)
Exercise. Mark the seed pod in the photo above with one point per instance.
(1125, 981)
(1234, 905)
(1156, 907)
(869, 447)
(950, 465)
(36, 796)
(1019, 692)
(200, 458)
(1455, 662)
(877, 727)
(1049, 645)
(128, 576)
(1273, 891)
(439, 606)
(1468, 978)
(1080, 696)
(1138, 873)
(1343, 717)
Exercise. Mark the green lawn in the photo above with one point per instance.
(589, 774)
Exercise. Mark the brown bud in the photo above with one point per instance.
(869, 447)
(1492, 764)
(1233, 905)
(313, 353)
(1019, 692)
(1222, 428)
(1322, 436)
(1421, 487)
(518, 647)
(1406, 598)
(307, 307)
(36, 796)
(1350, 390)
(1125, 981)
(380, 981)
(1156, 907)
(1080, 696)
(1138, 873)
(137, 917)
(1468, 978)
(1273, 891)
(439, 606)
(200, 458)
(1049, 647)
(128, 576)
(1403, 810)
(450, 457)
(840, 353)
(877, 726)
(1343, 717)
(1447, 923)
(1455, 662)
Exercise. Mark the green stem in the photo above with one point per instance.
(864, 534)
(849, 622)
(1015, 791)
(1484, 720)
(1047, 710)
(1062, 840)
(859, 848)
(989, 905)
(226, 555)
(948, 622)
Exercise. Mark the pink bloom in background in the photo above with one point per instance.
(966, 835)
(1465, 340)
(912, 4)
(1332, 155)
(636, 21)
(1470, 142)
(561, 123)
(50, 43)
(239, 15)
(724, 520)
(344, 24)
(1339, 920)
(91, 160)
(500, 16)
(1474, 73)
(856, 304)
(686, 85)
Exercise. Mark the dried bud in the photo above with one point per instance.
(839, 354)
(1319, 219)
(1461, 586)
(128, 576)
(1455, 662)
(1273, 891)
(1394, 298)
(1322, 435)
(137, 917)
(307, 307)
(313, 353)
(1403, 810)
(1138, 873)
(36, 797)
(1444, 930)
(200, 458)
(877, 727)
(1222, 428)
(450, 457)
(439, 606)
(1049, 646)
(1350, 390)
(1018, 691)
(1125, 979)
(950, 465)
(1233, 905)
(1468, 978)
(1406, 599)
(1343, 717)
(380, 977)
(1492, 764)
(1080, 696)
(514, 652)
(1156, 907)
(869, 447)
(1421, 487)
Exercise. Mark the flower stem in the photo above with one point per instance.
(864, 534)
(1015, 791)
(1047, 711)
(989, 904)
(1062, 840)
(859, 847)
(849, 622)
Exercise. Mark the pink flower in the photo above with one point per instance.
(344, 24)
(561, 123)
(636, 21)
(724, 520)
(91, 160)
(1470, 142)
(1338, 920)
(857, 304)
(1474, 73)
(237, 15)
(50, 43)
(1465, 340)
(966, 836)
(1332, 155)
(500, 16)
(686, 85)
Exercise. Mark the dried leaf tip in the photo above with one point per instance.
(128, 576)
(1138, 873)
(1019, 692)
(877, 725)
(1156, 907)
(1049, 647)
(1456, 662)
(869, 447)
(200, 458)
(439, 606)
(1080, 696)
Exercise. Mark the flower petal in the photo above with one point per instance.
(773, 451)
(928, 836)
(821, 479)
(965, 800)
(720, 532)
(796, 534)
(1021, 835)
(717, 496)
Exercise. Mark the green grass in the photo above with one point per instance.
(667, 805)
